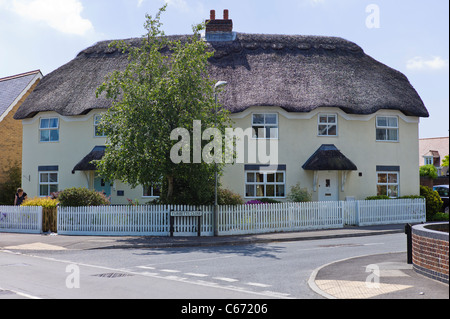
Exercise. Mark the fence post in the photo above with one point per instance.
(357, 212)
(40, 218)
(408, 232)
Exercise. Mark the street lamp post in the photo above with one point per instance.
(216, 210)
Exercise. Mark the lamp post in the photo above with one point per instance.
(216, 211)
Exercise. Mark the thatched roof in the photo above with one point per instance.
(296, 73)
(329, 158)
(86, 164)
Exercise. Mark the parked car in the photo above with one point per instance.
(443, 193)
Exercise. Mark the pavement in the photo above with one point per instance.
(383, 276)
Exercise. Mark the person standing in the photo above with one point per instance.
(20, 197)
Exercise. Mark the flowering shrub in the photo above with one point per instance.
(254, 202)
(45, 202)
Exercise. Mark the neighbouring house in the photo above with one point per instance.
(346, 125)
(13, 91)
(432, 151)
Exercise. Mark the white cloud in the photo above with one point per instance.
(420, 63)
(62, 15)
(179, 4)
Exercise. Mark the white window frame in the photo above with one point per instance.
(264, 183)
(152, 192)
(48, 182)
(327, 124)
(49, 129)
(97, 119)
(387, 183)
(387, 128)
(264, 126)
(427, 160)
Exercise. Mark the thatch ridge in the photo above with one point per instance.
(297, 73)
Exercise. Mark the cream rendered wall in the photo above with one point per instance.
(298, 140)
(76, 140)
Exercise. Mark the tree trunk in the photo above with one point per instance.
(169, 188)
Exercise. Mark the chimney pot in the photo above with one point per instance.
(225, 14)
(212, 15)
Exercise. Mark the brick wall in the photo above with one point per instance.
(426, 181)
(11, 139)
(430, 252)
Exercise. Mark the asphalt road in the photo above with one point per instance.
(275, 270)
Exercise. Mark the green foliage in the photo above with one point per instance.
(377, 197)
(433, 201)
(439, 216)
(428, 170)
(8, 187)
(445, 161)
(164, 86)
(45, 202)
(269, 200)
(78, 196)
(227, 197)
(298, 194)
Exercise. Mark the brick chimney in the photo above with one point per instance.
(224, 25)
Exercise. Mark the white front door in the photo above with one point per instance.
(328, 186)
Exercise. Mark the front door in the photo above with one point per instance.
(103, 186)
(328, 186)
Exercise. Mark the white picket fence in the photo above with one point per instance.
(267, 218)
(144, 220)
(21, 219)
(154, 220)
(389, 211)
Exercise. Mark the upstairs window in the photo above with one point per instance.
(327, 125)
(49, 130)
(265, 125)
(387, 128)
(97, 131)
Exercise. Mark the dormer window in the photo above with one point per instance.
(327, 125)
(265, 125)
(387, 128)
(49, 129)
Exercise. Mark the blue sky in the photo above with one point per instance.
(411, 36)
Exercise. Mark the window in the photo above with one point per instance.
(388, 184)
(97, 131)
(265, 184)
(151, 191)
(265, 125)
(428, 160)
(387, 128)
(327, 125)
(49, 129)
(48, 183)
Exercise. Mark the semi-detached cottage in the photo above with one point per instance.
(346, 124)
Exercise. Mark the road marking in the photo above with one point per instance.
(21, 294)
(276, 294)
(226, 279)
(146, 267)
(193, 260)
(169, 270)
(195, 275)
(258, 285)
